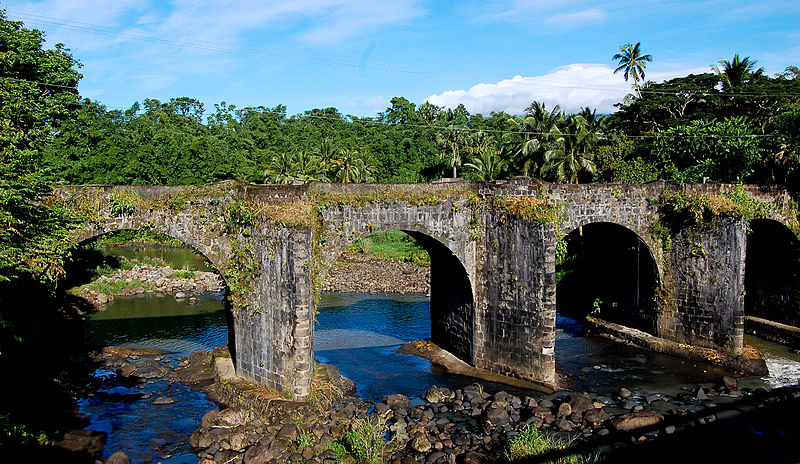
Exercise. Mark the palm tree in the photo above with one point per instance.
(282, 169)
(451, 140)
(487, 163)
(350, 166)
(571, 150)
(534, 128)
(736, 73)
(633, 63)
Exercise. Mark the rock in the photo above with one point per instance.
(398, 401)
(545, 404)
(437, 395)
(149, 369)
(473, 390)
(209, 418)
(729, 382)
(288, 432)
(637, 420)
(564, 410)
(90, 442)
(118, 458)
(669, 430)
(435, 456)
(240, 440)
(163, 400)
(624, 393)
(498, 416)
(258, 455)
(652, 398)
(180, 295)
(628, 404)
(580, 403)
(700, 395)
(595, 416)
(231, 416)
(472, 457)
(564, 425)
(420, 444)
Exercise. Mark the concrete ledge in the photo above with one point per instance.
(746, 365)
(773, 331)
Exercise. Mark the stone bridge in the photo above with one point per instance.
(670, 264)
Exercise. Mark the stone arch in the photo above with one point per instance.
(772, 272)
(452, 291)
(91, 233)
(614, 273)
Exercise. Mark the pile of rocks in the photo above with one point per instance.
(157, 280)
(362, 273)
(465, 425)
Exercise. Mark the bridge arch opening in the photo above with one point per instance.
(440, 306)
(164, 291)
(607, 270)
(772, 272)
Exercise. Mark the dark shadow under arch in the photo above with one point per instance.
(772, 272)
(451, 297)
(607, 269)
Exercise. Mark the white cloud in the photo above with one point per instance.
(578, 18)
(572, 87)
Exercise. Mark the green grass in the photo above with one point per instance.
(532, 442)
(114, 287)
(138, 237)
(365, 439)
(395, 245)
(183, 274)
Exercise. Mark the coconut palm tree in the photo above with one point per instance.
(350, 166)
(532, 132)
(737, 73)
(487, 163)
(451, 140)
(632, 62)
(570, 150)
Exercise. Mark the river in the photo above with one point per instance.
(359, 334)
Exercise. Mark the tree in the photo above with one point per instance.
(38, 91)
(724, 151)
(633, 63)
(737, 73)
(487, 163)
(570, 151)
(527, 144)
(452, 140)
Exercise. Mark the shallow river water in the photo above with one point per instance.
(358, 333)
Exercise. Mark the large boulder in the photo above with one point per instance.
(637, 420)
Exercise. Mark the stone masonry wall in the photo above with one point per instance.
(515, 327)
(706, 286)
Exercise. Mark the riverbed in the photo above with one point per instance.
(358, 333)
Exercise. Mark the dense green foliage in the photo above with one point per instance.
(37, 97)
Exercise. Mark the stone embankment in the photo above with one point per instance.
(161, 281)
(362, 273)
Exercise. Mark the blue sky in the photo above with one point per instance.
(356, 55)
